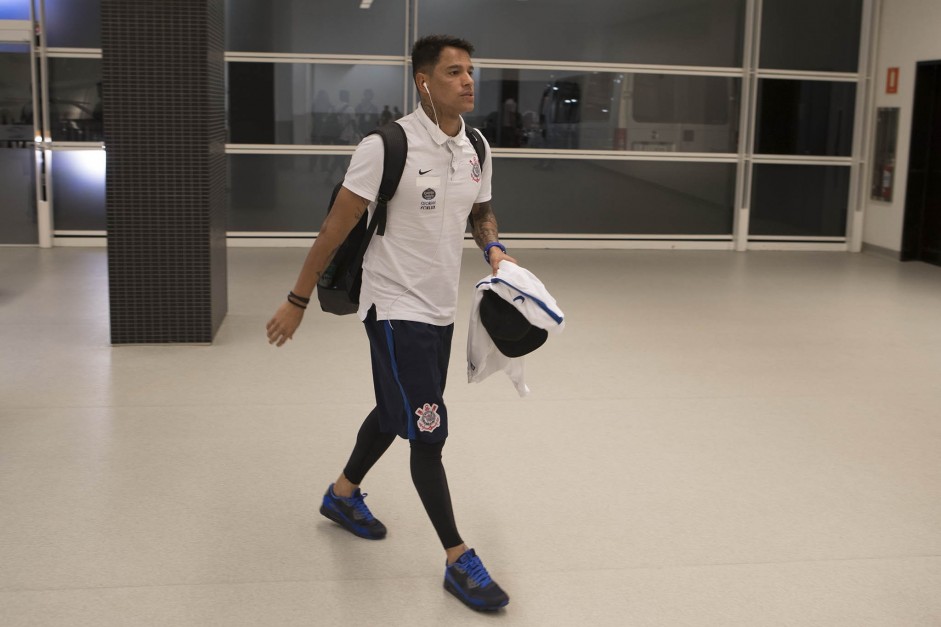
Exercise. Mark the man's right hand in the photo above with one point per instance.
(284, 323)
(347, 209)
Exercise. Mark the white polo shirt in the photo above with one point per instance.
(412, 272)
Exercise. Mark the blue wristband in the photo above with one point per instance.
(492, 245)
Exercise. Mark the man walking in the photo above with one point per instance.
(409, 298)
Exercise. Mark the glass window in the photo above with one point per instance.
(73, 23)
(14, 9)
(16, 95)
(17, 148)
(639, 197)
(283, 103)
(805, 118)
(667, 32)
(281, 192)
(811, 35)
(607, 110)
(799, 200)
(78, 190)
(303, 26)
(18, 209)
(290, 193)
(75, 111)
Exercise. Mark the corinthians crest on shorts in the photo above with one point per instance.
(475, 169)
(428, 418)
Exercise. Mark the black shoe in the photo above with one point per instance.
(352, 514)
(468, 580)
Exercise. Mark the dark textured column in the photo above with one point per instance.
(164, 82)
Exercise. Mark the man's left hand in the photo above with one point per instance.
(496, 256)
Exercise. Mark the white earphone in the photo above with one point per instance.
(425, 85)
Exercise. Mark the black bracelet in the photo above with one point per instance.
(300, 298)
(296, 303)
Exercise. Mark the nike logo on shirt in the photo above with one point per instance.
(420, 173)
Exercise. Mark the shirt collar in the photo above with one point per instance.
(439, 136)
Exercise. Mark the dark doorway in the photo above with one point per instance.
(921, 239)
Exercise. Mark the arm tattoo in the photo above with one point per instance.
(363, 208)
(484, 224)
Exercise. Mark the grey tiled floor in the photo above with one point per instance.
(716, 439)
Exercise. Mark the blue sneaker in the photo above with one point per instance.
(469, 581)
(352, 514)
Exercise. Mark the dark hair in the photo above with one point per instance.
(427, 50)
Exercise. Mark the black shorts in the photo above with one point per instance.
(409, 371)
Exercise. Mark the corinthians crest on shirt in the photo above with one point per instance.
(428, 418)
(475, 169)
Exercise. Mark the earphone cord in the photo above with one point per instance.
(428, 91)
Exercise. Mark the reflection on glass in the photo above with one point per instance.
(799, 200)
(281, 103)
(315, 27)
(607, 111)
(16, 97)
(75, 110)
(281, 192)
(811, 35)
(78, 190)
(17, 148)
(805, 118)
(73, 23)
(663, 32)
(290, 193)
(629, 197)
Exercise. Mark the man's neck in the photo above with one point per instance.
(450, 126)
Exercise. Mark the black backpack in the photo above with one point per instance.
(339, 286)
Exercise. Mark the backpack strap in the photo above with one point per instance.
(393, 165)
(474, 136)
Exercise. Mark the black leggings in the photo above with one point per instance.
(427, 474)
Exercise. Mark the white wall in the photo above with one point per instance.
(909, 32)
